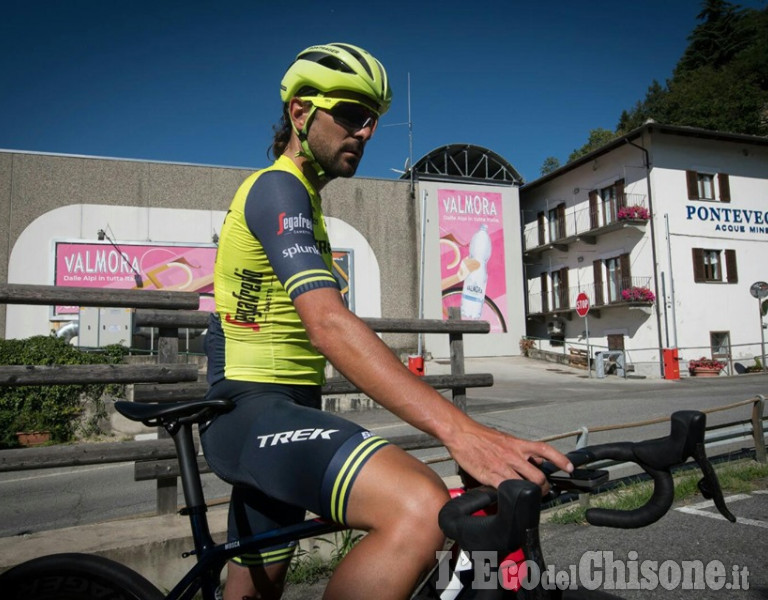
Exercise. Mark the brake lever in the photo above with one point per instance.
(709, 484)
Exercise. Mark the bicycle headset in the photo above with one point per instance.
(334, 67)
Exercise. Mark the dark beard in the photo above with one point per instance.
(334, 164)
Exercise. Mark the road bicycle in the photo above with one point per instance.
(478, 520)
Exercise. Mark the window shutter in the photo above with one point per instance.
(597, 268)
(621, 198)
(725, 187)
(544, 293)
(732, 274)
(565, 301)
(561, 220)
(692, 179)
(698, 265)
(626, 275)
(593, 209)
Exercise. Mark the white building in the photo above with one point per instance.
(665, 230)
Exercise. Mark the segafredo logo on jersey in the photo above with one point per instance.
(294, 223)
(299, 435)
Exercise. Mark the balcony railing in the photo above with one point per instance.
(581, 221)
(628, 291)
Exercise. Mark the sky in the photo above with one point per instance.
(197, 81)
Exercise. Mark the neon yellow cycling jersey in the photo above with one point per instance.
(273, 247)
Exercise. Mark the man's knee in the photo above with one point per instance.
(396, 491)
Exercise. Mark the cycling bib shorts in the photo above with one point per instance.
(283, 455)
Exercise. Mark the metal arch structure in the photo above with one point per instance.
(465, 162)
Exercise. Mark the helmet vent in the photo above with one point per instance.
(360, 58)
(328, 61)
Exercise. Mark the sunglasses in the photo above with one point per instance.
(348, 112)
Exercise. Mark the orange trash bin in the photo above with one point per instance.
(671, 363)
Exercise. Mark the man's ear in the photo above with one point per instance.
(298, 112)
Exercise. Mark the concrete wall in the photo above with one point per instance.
(45, 197)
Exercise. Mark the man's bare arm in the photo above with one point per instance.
(357, 352)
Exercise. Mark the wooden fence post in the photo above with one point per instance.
(757, 428)
(456, 344)
(167, 353)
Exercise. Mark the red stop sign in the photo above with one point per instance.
(582, 304)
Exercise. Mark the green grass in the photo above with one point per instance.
(737, 477)
(309, 567)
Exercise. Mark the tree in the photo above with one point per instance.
(654, 106)
(720, 83)
(717, 40)
(550, 164)
(597, 137)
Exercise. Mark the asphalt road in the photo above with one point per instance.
(528, 399)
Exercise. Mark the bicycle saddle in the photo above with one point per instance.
(154, 414)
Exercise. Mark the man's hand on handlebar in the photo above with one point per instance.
(491, 456)
(518, 503)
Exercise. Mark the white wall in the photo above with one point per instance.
(704, 307)
(31, 259)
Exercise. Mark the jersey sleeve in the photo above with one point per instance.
(278, 212)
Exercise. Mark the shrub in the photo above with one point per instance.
(52, 408)
(526, 345)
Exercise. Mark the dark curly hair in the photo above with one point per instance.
(282, 135)
(282, 129)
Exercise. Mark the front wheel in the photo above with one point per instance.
(75, 577)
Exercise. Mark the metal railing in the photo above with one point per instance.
(598, 297)
(580, 219)
(752, 431)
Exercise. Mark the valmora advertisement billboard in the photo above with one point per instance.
(472, 261)
(167, 266)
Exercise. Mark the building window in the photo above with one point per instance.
(611, 199)
(617, 278)
(702, 186)
(720, 342)
(714, 266)
(712, 270)
(705, 185)
(560, 299)
(613, 270)
(556, 219)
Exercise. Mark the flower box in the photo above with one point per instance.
(705, 367)
(633, 213)
(33, 438)
(638, 294)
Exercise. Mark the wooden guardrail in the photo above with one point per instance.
(169, 381)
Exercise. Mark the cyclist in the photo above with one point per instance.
(279, 315)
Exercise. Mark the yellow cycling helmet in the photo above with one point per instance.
(338, 67)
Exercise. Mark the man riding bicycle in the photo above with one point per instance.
(279, 316)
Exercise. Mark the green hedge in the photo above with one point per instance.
(53, 408)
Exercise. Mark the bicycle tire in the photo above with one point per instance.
(495, 310)
(75, 577)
